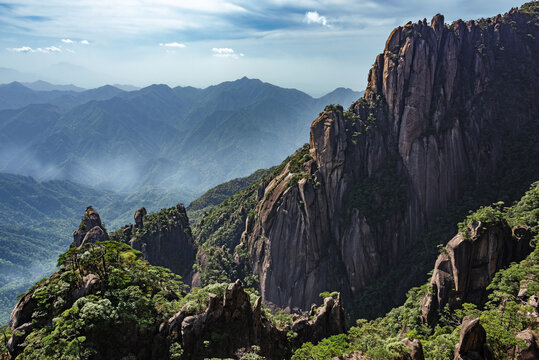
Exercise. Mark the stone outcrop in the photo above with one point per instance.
(530, 350)
(468, 263)
(165, 240)
(434, 119)
(232, 323)
(139, 216)
(90, 229)
(20, 322)
(415, 347)
(473, 342)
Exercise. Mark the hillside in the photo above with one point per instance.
(157, 136)
(38, 219)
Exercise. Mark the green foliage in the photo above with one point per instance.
(218, 233)
(327, 294)
(280, 319)
(325, 350)
(198, 298)
(219, 193)
(5, 335)
(486, 215)
(526, 211)
(162, 221)
(129, 301)
(379, 196)
(530, 8)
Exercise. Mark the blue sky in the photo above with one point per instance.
(311, 45)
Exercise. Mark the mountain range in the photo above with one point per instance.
(119, 150)
(158, 136)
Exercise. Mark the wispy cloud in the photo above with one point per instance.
(28, 49)
(22, 49)
(315, 17)
(173, 45)
(67, 41)
(226, 53)
(85, 42)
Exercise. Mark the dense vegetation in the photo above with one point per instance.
(218, 233)
(130, 298)
(216, 195)
(503, 316)
(38, 218)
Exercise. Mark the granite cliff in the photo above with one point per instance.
(436, 119)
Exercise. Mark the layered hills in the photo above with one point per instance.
(158, 136)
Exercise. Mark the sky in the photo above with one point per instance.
(311, 45)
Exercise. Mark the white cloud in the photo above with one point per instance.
(22, 49)
(85, 42)
(225, 53)
(67, 41)
(314, 17)
(28, 49)
(173, 45)
(49, 49)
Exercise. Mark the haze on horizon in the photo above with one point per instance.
(311, 45)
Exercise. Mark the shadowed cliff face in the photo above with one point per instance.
(468, 263)
(442, 104)
(164, 238)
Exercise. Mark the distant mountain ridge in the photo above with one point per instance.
(157, 136)
(41, 85)
(16, 95)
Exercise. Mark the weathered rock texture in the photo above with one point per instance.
(164, 238)
(90, 229)
(416, 349)
(467, 265)
(442, 104)
(473, 342)
(231, 323)
(530, 350)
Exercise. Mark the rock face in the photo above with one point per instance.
(467, 265)
(20, 322)
(473, 342)
(139, 216)
(416, 349)
(90, 229)
(435, 117)
(165, 240)
(240, 325)
(531, 349)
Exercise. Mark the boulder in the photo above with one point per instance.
(473, 342)
(89, 222)
(468, 263)
(530, 351)
(415, 347)
(139, 216)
